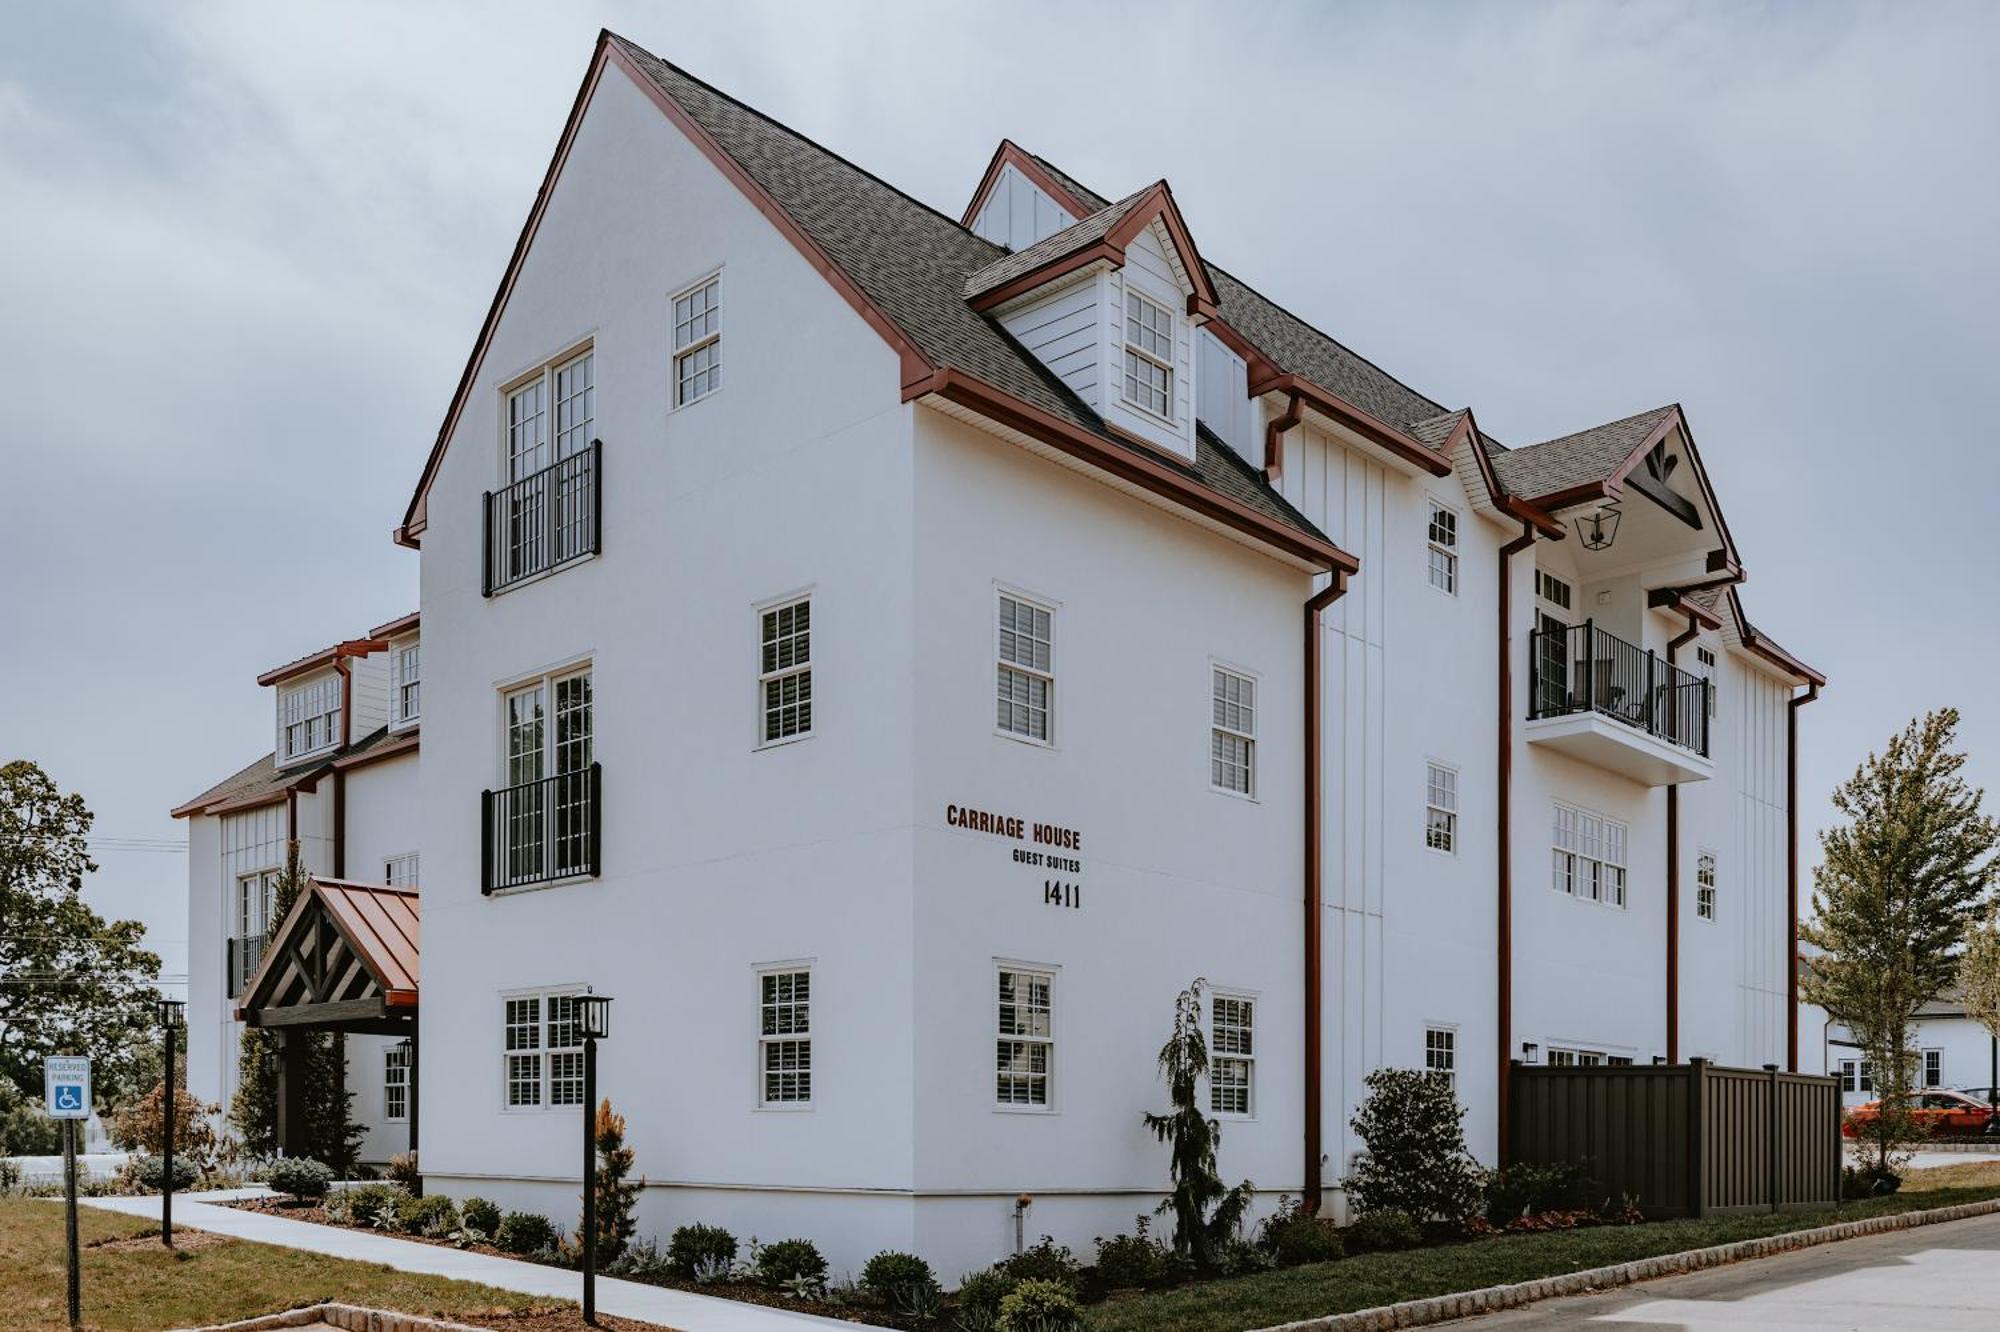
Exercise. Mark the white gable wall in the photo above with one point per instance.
(1017, 213)
(1222, 396)
(1149, 270)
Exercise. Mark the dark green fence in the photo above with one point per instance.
(1684, 1139)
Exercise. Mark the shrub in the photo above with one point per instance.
(433, 1215)
(976, 1306)
(1128, 1261)
(642, 1259)
(1416, 1160)
(150, 1172)
(1868, 1181)
(1293, 1236)
(791, 1264)
(141, 1126)
(482, 1216)
(1044, 1260)
(402, 1169)
(696, 1249)
(300, 1176)
(367, 1204)
(524, 1233)
(1524, 1189)
(1040, 1306)
(1382, 1230)
(24, 1129)
(898, 1279)
(10, 1174)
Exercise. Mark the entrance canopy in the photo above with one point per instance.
(345, 959)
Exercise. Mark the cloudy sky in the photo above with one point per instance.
(246, 248)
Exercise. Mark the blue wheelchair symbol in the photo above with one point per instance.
(69, 1098)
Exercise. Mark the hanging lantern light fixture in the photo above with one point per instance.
(1597, 529)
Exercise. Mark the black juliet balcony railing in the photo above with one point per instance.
(544, 520)
(542, 831)
(1582, 669)
(240, 962)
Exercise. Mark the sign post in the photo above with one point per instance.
(66, 1084)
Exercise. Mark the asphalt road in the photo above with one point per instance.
(1936, 1278)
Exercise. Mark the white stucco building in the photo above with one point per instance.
(892, 654)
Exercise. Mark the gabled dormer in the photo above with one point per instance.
(1017, 203)
(1111, 304)
(405, 670)
(327, 699)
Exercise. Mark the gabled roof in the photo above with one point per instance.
(903, 266)
(1601, 454)
(1101, 236)
(402, 624)
(346, 953)
(261, 782)
(1757, 641)
(312, 661)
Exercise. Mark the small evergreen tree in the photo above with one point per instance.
(1192, 1138)
(617, 1197)
(1893, 896)
(1416, 1161)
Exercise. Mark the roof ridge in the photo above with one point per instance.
(636, 49)
(1650, 412)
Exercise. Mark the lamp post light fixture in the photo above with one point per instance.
(593, 1021)
(1597, 529)
(171, 1011)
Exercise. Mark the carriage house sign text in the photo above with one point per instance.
(1047, 843)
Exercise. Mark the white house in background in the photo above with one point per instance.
(341, 780)
(893, 654)
(1954, 1052)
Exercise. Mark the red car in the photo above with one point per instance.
(1938, 1113)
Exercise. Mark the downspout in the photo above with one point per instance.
(1274, 437)
(1314, 894)
(339, 823)
(1674, 645)
(1792, 872)
(1504, 953)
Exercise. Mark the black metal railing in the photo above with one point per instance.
(545, 519)
(240, 962)
(1581, 668)
(542, 830)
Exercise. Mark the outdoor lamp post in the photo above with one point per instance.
(170, 1022)
(593, 1020)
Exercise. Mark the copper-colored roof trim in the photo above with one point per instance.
(379, 923)
(1155, 203)
(353, 647)
(1024, 162)
(1371, 428)
(1467, 432)
(402, 624)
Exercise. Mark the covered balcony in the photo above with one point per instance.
(1600, 699)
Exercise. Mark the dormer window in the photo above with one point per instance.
(309, 719)
(1149, 355)
(406, 685)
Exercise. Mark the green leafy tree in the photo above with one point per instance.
(71, 982)
(1207, 1214)
(1979, 976)
(1414, 1161)
(332, 1135)
(1896, 890)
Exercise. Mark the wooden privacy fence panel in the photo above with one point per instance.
(1684, 1139)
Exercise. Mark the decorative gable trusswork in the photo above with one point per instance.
(345, 958)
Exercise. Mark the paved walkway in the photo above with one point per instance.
(1938, 1278)
(628, 1299)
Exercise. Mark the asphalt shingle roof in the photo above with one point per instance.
(263, 778)
(1050, 248)
(912, 262)
(1574, 460)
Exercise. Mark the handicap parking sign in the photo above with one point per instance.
(66, 1081)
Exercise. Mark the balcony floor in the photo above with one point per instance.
(1592, 737)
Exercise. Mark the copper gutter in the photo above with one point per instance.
(1274, 437)
(1315, 884)
(1674, 645)
(1504, 959)
(1792, 871)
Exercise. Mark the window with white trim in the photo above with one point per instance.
(256, 897)
(1232, 748)
(1441, 1052)
(309, 718)
(571, 387)
(1704, 885)
(1149, 355)
(698, 341)
(784, 671)
(1232, 1044)
(1026, 1045)
(400, 871)
(543, 1050)
(1560, 1057)
(1444, 548)
(1704, 666)
(1027, 682)
(1856, 1075)
(1552, 589)
(396, 1082)
(1440, 807)
(1934, 1068)
(548, 731)
(784, 1037)
(406, 686)
(1590, 856)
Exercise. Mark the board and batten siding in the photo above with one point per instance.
(1758, 893)
(371, 694)
(1017, 213)
(1222, 395)
(1062, 332)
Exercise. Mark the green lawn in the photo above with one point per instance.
(1367, 1280)
(148, 1288)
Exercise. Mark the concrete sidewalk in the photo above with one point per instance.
(628, 1299)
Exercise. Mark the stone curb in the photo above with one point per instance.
(1464, 1304)
(346, 1316)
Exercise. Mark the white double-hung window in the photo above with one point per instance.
(400, 871)
(784, 671)
(1441, 1052)
(1444, 548)
(1027, 682)
(1149, 355)
(784, 1037)
(406, 688)
(1232, 1065)
(545, 819)
(1232, 738)
(1704, 885)
(1589, 856)
(396, 1082)
(309, 719)
(543, 1054)
(1026, 1045)
(1440, 807)
(698, 341)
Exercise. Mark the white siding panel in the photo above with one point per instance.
(1222, 400)
(1017, 214)
(1062, 332)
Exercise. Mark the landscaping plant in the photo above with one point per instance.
(1415, 1159)
(793, 1265)
(1206, 1212)
(1044, 1260)
(141, 1126)
(1380, 1231)
(1292, 1236)
(150, 1173)
(976, 1303)
(432, 1215)
(1039, 1306)
(402, 1169)
(481, 1217)
(696, 1250)
(1897, 887)
(1126, 1262)
(617, 1197)
(373, 1204)
(900, 1280)
(524, 1233)
(300, 1176)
